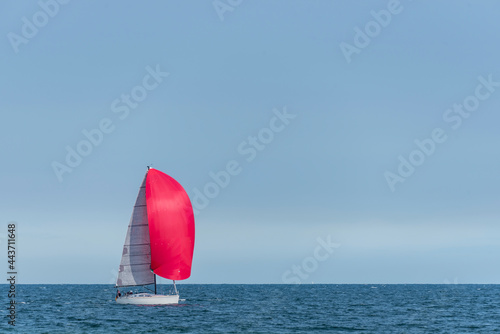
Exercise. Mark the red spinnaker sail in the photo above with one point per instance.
(171, 226)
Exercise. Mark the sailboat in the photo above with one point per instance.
(159, 241)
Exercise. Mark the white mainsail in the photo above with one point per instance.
(135, 266)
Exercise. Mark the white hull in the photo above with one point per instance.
(148, 299)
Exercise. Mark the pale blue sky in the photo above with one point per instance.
(322, 175)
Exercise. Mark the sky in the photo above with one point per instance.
(352, 142)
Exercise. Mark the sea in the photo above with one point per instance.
(233, 308)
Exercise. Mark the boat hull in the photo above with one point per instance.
(148, 299)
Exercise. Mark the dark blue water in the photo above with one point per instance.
(261, 309)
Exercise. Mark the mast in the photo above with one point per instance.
(154, 275)
(175, 288)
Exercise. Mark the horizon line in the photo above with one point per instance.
(261, 284)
